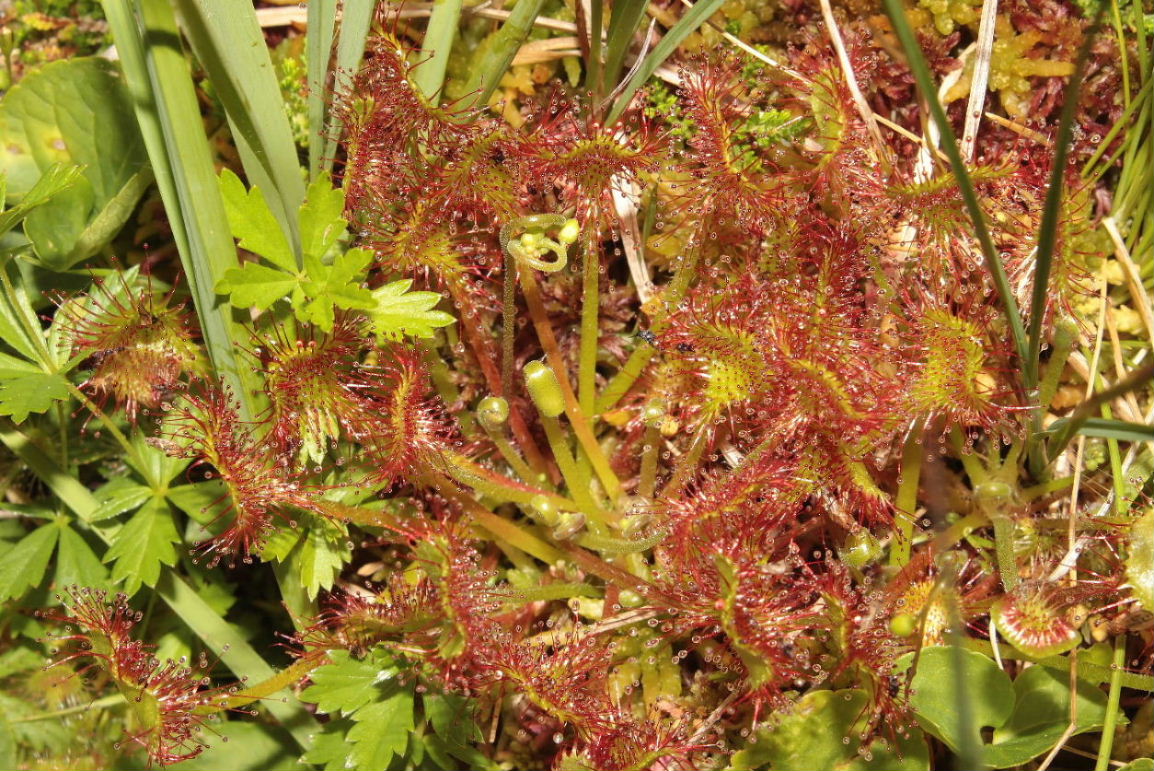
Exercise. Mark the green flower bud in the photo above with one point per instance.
(493, 411)
(544, 389)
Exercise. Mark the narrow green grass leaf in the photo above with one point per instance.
(685, 26)
(354, 31)
(502, 48)
(1117, 429)
(929, 91)
(624, 20)
(322, 15)
(1052, 208)
(229, 44)
(435, 49)
(159, 78)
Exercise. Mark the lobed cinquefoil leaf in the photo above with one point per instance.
(253, 285)
(346, 684)
(333, 286)
(24, 564)
(253, 223)
(144, 543)
(397, 311)
(32, 390)
(321, 217)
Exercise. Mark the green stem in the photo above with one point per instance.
(1106, 746)
(114, 700)
(651, 451)
(1004, 547)
(640, 358)
(492, 484)
(686, 464)
(577, 482)
(907, 500)
(514, 459)
(508, 324)
(590, 307)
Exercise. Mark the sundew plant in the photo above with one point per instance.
(592, 386)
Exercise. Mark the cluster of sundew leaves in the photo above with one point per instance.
(738, 584)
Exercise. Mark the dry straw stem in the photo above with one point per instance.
(297, 17)
(981, 78)
(1138, 294)
(859, 100)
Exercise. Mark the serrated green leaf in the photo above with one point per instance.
(253, 223)
(320, 556)
(77, 564)
(146, 542)
(78, 112)
(118, 496)
(336, 285)
(24, 564)
(397, 311)
(253, 285)
(381, 731)
(346, 684)
(156, 466)
(26, 391)
(322, 221)
(329, 748)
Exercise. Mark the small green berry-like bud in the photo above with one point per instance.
(544, 389)
(531, 242)
(493, 411)
(545, 508)
(569, 232)
(903, 625)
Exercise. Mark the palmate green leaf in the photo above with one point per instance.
(397, 311)
(23, 391)
(381, 731)
(24, 564)
(328, 287)
(78, 112)
(146, 542)
(322, 285)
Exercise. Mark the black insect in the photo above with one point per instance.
(648, 337)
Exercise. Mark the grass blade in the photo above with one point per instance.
(229, 44)
(160, 81)
(354, 31)
(624, 20)
(1052, 208)
(924, 78)
(1117, 429)
(488, 73)
(439, 36)
(322, 16)
(685, 26)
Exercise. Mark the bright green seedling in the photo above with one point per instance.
(327, 277)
